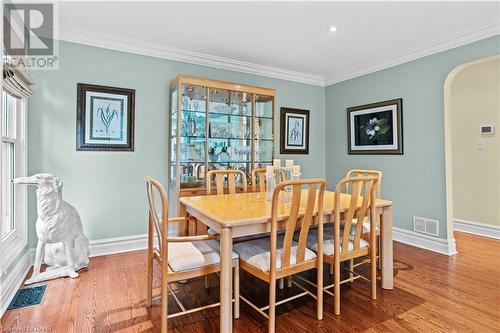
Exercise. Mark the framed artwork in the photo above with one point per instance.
(376, 128)
(294, 133)
(105, 118)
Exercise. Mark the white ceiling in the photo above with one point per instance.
(282, 39)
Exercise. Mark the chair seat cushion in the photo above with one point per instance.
(328, 248)
(190, 255)
(257, 253)
(366, 226)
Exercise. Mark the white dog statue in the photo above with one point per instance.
(62, 244)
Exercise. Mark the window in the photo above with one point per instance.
(9, 129)
(13, 201)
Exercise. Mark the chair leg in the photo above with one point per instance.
(351, 269)
(319, 293)
(236, 276)
(379, 247)
(164, 308)
(272, 306)
(336, 289)
(373, 268)
(207, 284)
(289, 281)
(281, 284)
(149, 296)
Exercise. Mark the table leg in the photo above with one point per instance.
(386, 248)
(226, 251)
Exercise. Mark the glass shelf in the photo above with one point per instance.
(193, 111)
(228, 115)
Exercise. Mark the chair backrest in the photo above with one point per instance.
(260, 175)
(158, 222)
(220, 176)
(310, 201)
(362, 172)
(364, 188)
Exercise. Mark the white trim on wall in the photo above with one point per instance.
(115, 245)
(15, 278)
(439, 245)
(476, 228)
(108, 41)
(113, 42)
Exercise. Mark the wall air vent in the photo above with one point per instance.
(426, 226)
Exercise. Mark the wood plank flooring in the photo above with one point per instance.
(433, 293)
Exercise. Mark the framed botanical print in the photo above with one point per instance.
(376, 128)
(105, 118)
(294, 131)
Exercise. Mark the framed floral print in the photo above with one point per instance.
(376, 128)
(294, 131)
(105, 118)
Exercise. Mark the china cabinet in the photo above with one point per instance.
(216, 125)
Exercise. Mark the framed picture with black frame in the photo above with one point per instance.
(376, 129)
(105, 118)
(294, 131)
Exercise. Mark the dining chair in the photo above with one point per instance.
(223, 176)
(259, 179)
(366, 224)
(179, 258)
(340, 246)
(279, 256)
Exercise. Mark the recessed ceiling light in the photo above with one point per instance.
(332, 28)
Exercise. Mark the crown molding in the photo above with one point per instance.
(459, 38)
(80, 36)
(107, 41)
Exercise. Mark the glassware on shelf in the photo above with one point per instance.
(270, 182)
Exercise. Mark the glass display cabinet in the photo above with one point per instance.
(216, 125)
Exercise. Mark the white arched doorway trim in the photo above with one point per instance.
(448, 137)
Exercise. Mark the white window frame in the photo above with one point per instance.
(13, 243)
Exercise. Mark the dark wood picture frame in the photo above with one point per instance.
(82, 90)
(284, 145)
(398, 125)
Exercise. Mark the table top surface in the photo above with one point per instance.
(252, 208)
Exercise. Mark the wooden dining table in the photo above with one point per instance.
(243, 214)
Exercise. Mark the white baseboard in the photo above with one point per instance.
(15, 278)
(426, 242)
(115, 245)
(476, 228)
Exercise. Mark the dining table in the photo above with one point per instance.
(244, 214)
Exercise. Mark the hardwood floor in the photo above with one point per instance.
(433, 293)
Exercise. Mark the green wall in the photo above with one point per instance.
(415, 180)
(107, 188)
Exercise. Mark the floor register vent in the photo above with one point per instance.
(426, 226)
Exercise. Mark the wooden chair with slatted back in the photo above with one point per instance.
(363, 172)
(339, 245)
(260, 175)
(378, 195)
(279, 256)
(179, 258)
(220, 181)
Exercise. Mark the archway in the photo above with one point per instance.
(448, 112)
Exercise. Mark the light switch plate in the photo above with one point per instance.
(480, 144)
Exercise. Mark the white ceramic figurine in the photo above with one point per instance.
(62, 245)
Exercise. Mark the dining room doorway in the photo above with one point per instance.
(472, 147)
